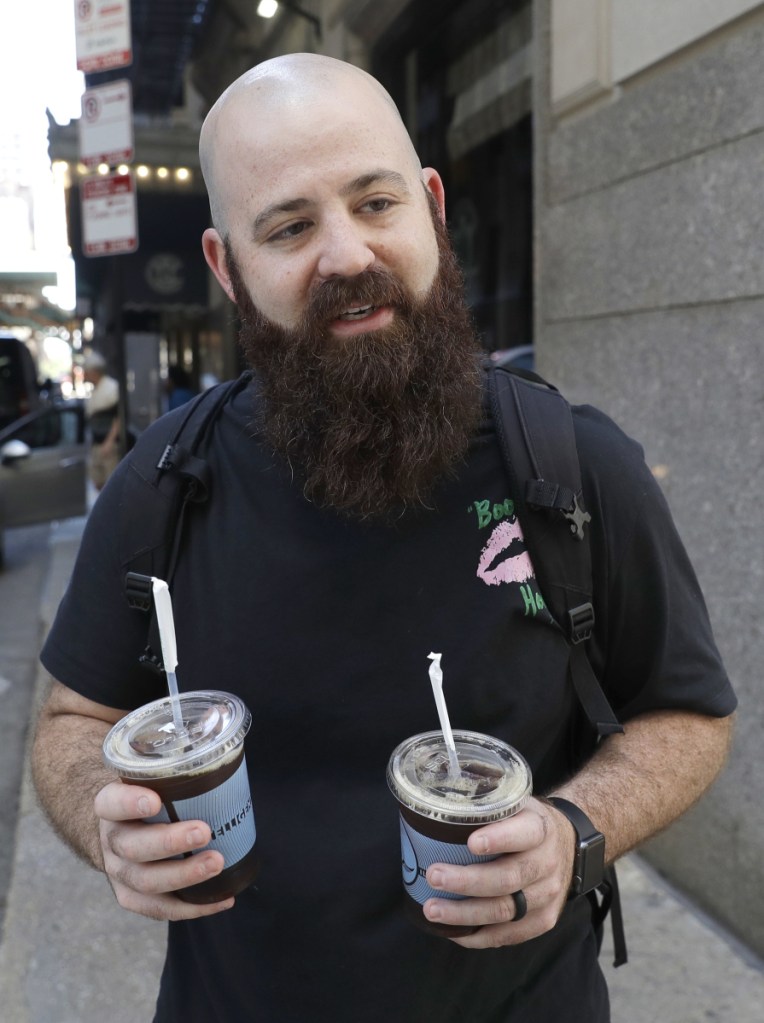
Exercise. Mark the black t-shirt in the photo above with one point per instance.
(323, 624)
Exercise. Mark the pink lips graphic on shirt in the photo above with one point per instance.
(516, 569)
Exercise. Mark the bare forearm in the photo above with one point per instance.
(100, 818)
(639, 782)
(68, 772)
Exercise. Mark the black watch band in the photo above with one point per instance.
(589, 866)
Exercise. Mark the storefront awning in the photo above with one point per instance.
(22, 303)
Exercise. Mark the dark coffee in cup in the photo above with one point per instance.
(199, 772)
(439, 809)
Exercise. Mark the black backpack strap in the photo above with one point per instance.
(165, 477)
(611, 903)
(535, 429)
(536, 434)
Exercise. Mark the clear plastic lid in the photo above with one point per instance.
(146, 743)
(494, 782)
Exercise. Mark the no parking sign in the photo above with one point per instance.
(106, 125)
(109, 216)
(103, 37)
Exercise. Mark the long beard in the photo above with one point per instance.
(369, 424)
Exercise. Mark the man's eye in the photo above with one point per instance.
(378, 205)
(290, 231)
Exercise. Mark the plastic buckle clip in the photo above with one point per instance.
(581, 622)
(138, 589)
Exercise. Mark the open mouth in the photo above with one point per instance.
(361, 319)
(359, 313)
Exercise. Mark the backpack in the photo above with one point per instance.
(535, 430)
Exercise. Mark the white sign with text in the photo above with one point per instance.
(106, 125)
(103, 37)
(109, 215)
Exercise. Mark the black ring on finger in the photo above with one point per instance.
(521, 906)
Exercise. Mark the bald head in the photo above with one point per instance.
(297, 89)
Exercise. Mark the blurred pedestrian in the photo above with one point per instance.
(178, 387)
(102, 412)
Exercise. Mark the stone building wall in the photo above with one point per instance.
(649, 276)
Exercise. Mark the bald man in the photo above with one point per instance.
(343, 541)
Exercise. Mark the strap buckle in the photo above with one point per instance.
(150, 660)
(138, 590)
(581, 623)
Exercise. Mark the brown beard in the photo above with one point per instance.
(369, 423)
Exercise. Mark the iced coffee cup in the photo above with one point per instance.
(439, 809)
(200, 774)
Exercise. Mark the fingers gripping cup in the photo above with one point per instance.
(439, 808)
(199, 772)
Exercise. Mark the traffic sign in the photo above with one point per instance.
(109, 215)
(103, 38)
(106, 124)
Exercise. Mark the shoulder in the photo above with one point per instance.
(612, 463)
(192, 427)
(596, 433)
(631, 519)
(183, 422)
(632, 523)
(168, 424)
(150, 446)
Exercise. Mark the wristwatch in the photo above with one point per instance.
(589, 865)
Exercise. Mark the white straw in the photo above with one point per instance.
(436, 678)
(166, 622)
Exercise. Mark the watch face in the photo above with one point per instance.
(590, 862)
(589, 867)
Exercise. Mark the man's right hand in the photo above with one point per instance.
(72, 782)
(138, 857)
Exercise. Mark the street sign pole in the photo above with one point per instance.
(119, 348)
(108, 202)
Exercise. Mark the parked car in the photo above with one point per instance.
(19, 392)
(521, 356)
(43, 467)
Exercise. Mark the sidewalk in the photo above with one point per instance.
(70, 955)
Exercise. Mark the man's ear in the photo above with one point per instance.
(213, 248)
(434, 185)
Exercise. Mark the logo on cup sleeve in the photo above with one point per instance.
(409, 861)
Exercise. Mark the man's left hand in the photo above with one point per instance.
(536, 850)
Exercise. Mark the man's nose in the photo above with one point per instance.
(345, 250)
